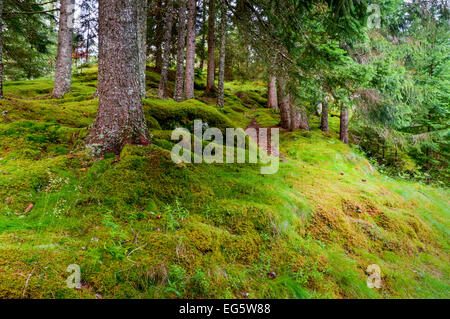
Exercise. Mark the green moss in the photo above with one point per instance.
(140, 226)
(171, 114)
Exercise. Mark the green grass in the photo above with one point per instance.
(140, 226)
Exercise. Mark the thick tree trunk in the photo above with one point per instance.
(272, 99)
(179, 78)
(285, 104)
(63, 76)
(190, 51)
(344, 124)
(165, 48)
(142, 43)
(223, 42)
(299, 117)
(324, 117)
(120, 119)
(1, 49)
(210, 85)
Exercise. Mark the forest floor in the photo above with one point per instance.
(140, 226)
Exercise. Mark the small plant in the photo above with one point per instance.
(176, 280)
(175, 214)
(200, 283)
(55, 183)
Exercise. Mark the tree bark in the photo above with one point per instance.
(120, 118)
(285, 104)
(142, 43)
(165, 48)
(179, 78)
(299, 117)
(63, 76)
(223, 42)
(203, 40)
(1, 49)
(210, 85)
(158, 37)
(272, 99)
(190, 51)
(324, 117)
(344, 124)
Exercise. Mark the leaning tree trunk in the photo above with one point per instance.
(120, 119)
(223, 42)
(1, 49)
(190, 51)
(179, 78)
(344, 124)
(165, 48)
(142, 44)
(285, 104)
(63, 76)
(210, 85)
(272, 99)
(324, 117)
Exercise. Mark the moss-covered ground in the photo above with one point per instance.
(140, 226)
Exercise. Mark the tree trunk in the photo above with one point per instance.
(120, 119)
(324, 117)
(142, 44)
(223, 42)
(158, 36)
(210, 85)
(190, 51)
(203, 40)
(285, 104)
(1, 49)
(63, 76)
(87, 42)
(299, 117)
(179, 78)
(158, 59)
(165, 48)
(272, 99)
(344, 124)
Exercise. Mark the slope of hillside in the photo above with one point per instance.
(140, 226)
